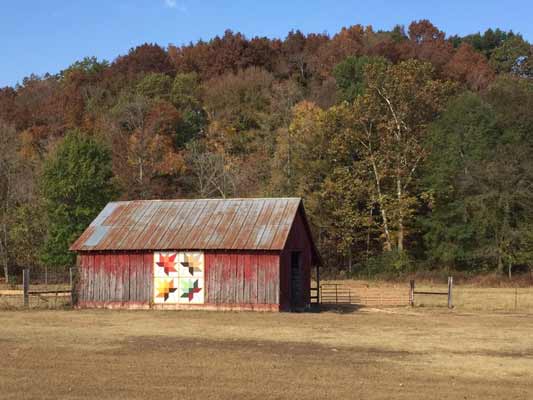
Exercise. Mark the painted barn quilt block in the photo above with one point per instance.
(179, 277)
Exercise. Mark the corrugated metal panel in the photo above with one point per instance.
(210, 224)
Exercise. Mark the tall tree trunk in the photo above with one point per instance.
(4, 254)
(500, 261)
(400, 212)
(368, 238)
(350, 260)
(386, 231)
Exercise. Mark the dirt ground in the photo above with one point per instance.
(365, 354)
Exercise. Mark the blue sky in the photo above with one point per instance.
(38, 36)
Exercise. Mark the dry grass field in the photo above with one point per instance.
(397, 353)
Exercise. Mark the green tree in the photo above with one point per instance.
(155, 86)
(26, 234)
(77, 182)
(464, 136)
(480, 186)
(514, 55)
(185, 96)
(349, 76)
(89, 65)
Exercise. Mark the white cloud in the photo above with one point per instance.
(176, 5)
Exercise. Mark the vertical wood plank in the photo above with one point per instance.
(125, 265)
(253, 278)
(239, 299)
(133, 276)
(72, 288)
(97, 277)
(247, 277)
(228, 272)
(206, 279)
(111, 277)
(148, 278)
(87, 267)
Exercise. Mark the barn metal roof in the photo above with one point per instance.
(238, 224)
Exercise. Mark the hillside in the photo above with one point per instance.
(410, 148)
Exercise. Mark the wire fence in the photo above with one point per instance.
(465, 298)
(38, 289)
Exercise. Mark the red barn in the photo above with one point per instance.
(230, 254)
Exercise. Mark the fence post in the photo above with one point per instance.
(26, 286)
(71, 277)
(318, 289)
(412, 293)
(450, 288)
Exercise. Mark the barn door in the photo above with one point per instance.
(179, 277)
(296, 280)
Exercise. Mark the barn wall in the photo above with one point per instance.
(112, 279)
(245, 278)
(298, 240)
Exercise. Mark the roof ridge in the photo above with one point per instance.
(208, 199)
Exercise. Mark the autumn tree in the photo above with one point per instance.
(302, 163)
(390, 124)
(143, 130)
(427, 43)
(470, 68)
(8, 177)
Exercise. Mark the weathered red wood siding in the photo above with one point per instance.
(298, 240)
(233, 280)
(115, 279)
(245, 278)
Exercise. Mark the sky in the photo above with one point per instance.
(39, 36)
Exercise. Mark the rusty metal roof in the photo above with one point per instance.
(217, 224)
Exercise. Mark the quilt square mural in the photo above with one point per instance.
(179, 277)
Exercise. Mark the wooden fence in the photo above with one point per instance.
(40, 291)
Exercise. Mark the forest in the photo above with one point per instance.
(411, 148)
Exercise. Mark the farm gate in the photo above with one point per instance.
(363, 296)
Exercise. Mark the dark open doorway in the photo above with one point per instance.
(296, 281)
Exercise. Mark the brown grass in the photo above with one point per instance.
(43, 301)
(371, 354)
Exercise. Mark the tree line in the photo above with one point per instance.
(411, 149)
